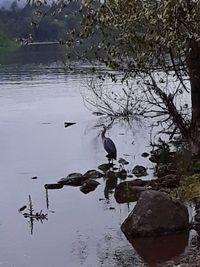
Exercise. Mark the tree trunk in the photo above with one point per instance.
(193, 64)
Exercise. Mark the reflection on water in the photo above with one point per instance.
(36, 97)
(33, 216)
(161, 249)
(37, 55)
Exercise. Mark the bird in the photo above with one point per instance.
(108, 145)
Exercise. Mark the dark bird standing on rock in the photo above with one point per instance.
(109, 146)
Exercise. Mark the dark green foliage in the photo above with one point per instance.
(46, 24)
(6, 43)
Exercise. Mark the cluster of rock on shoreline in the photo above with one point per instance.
(156, 213)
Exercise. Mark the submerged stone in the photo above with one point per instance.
(53, 186)
(123, 161)
(129, 191)
(145, 155)
(105, 166)
(89, 185)
(155, 214)
(22, 208)
(93, 174)
(122, 174)
(139, 171)
(73, 179)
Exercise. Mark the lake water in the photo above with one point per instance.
(36, 97)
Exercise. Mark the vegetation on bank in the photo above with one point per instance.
(7, 43)
(190, 187)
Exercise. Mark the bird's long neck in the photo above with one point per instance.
(103, 134)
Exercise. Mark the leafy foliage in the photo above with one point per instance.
(159, 43)
(140, 35)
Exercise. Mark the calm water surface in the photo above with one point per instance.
(36, 98)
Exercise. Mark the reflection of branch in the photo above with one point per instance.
(121, 102)
(47, 199)
(39, 216)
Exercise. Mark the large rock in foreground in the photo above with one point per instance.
(155, 214)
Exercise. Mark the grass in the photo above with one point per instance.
(190, 187)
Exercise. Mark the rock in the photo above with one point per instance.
(93, 174)
(67, 124)
(145, 155)
(53, 186)
(123, 161)
(89, 185)
(122, 174)
(167, 181)
(129, 191)
(155, 214)
(139, 171)
(138, 182)
(165, 169)
(73, 179)
(34, 177)
(154, 159)
(22, 208)
(105, 167)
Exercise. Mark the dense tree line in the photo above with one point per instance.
(17, 22)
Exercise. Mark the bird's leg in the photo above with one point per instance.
(112, 163)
